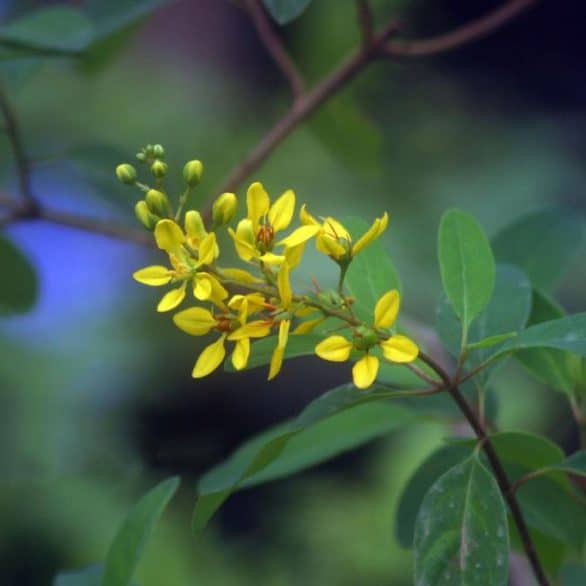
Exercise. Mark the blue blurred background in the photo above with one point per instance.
(96, 399)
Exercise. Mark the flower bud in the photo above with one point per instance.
(145, 216)
(159, 169)
(194, 226)
(158, 151)
(126, 174)
(224, 208)
(157, 202)
(192, 172)
(364, 338)
(141, 157)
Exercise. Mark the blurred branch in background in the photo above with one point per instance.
(374, 46)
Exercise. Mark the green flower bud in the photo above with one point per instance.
(158, 151)
(194, 225)
(159, 169)
(364, 338)
(224, 208)
(157, 202)
(126, 174)
(141, 157)
(330, 297)
(148, 150)
(192, 172)
(145, 216)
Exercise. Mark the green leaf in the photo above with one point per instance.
(567, 333)
(262, 350)
(542, 244)
(573, 574)
(337, 421)
(507, 311)
(461, 533)
(574, 464)
(556, 368)
(52, 30)
(466, 263)
(90, 576)
(284, 11)
(19, 289)
(130, 541)
(371, 273)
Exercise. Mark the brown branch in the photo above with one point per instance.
(497, 467)
(365, 20)
(17, 211)
(463, 35)
(274, 45)
(20, 157)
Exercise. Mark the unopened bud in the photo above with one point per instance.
(159, 169)
(192, 172)
(126, 174)
(145, 216)
(194, 226)
(224, 208)
(364, 338)
(157, 202)
(158, 151)
(141, 157)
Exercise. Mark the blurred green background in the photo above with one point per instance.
(96, 401)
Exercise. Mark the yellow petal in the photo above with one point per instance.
(334, 349)
(399, 349)
(281, 211)
(364, 371)
(327, 245)
(155, 275)
(294, 255)
(211, 357)
(284, 332)
(272, 259)
(284, 286)
(202, 286)
(305, 217)
(257, 203)
(244, 240)
(253, 301)
(333, 228)
(241, 354)
(172, 299)
(239, 275)
(208, 249)
(276, 362)
(387, 309)
(377, 228)
(196, 321)
(308, 326)
(219, 293)
(300, 235)
(169, 236)
(253, 329)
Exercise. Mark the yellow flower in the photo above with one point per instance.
(286, 299)
(198, 321)
(254, 237)
(185, 267)
(331, 237)
(395, 348)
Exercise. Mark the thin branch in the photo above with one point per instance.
(499, 471)
(365, 21)
(20, 157)
(274, 45)
(17, 212)
(463, 35)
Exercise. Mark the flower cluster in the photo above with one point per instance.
(239, 304)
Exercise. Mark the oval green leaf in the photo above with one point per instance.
(466, 263)
(18, 292)
(130, 541)
(461, 532)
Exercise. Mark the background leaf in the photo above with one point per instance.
(284, 11)
(543, 244)
(573, 575)
(130, 541)
(19, 292)
(466, 264)
(461, 533)
(90, 576)
(371, 273)
(333, 423)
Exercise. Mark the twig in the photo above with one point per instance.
(20, 157)
(274, 45)
(365, 21)
(499, 471)
(463, 35)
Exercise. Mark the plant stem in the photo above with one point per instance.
(497, 467)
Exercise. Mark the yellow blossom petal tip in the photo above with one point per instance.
(334, 349)
(364, 371)
(169, 236)
(209, 360)
(387, 309)
(154, 276)
(400, 349)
